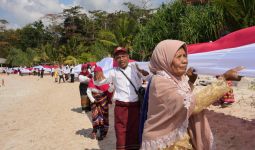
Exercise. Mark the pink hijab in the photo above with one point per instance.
(163, 55)
(171, 105)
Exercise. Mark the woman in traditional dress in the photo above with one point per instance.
(228, 98)
(84, 78)
(56, 75)
(99, 93)
(175, 117)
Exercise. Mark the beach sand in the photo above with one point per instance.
(39, 114)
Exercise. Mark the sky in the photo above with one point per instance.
(21, 12)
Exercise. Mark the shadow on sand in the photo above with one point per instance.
(109, 142)
(231, 133)
(84, 132)
(78, 110)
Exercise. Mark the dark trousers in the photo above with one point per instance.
(61, 77)
(42, 74)
(66, 77)
(72, 77)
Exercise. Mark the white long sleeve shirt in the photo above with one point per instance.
(90, 90)
(60, 72)
(124, 91)
(83, 79)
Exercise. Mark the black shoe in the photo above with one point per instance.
(99, 134)
(87, 109)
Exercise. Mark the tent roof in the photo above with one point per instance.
(2, 60)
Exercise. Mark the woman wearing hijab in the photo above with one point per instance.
(100, 95)
(56, 75)
(84, 78)
(175, 117)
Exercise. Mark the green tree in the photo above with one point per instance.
(201, 23)
(100, 51)
(8, 39)
(31, 56)
(74, 23)
(32, 35)
(70, 60)
(177, 20)
(237, 13)
(17, 57)
(86, 57)
(162, 25)
(50, 51)
(122, 35)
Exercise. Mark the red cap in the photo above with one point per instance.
(98, 69)
(119, 49)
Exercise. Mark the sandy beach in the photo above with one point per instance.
(39, 114)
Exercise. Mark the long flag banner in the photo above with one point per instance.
(232, 50)
(213, 58)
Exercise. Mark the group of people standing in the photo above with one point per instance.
(100, 91)
(170, 117)
(63, 73)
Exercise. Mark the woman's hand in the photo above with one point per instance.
(143, 72)
(232, 74)
(192, 76)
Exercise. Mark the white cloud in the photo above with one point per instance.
(22, 12)
(12, 26)
(114, 5)
(27, 11)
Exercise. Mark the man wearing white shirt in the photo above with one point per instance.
(60, 74)
(127, 107)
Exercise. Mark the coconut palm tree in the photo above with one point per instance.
(238, 13)
(122, 35)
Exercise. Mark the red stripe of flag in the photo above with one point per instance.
(235, 39)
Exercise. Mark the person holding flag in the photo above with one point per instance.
(100, 94)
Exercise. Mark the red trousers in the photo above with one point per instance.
(126, 123)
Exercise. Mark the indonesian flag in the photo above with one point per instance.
(213, 58)
(230, 51)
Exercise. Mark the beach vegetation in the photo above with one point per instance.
(76, 36)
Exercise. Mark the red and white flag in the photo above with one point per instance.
(232, 50)
(214, 58)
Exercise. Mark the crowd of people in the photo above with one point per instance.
(170, 116)
(59, 72)
(63, 73)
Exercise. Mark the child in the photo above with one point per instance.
(56, 75)
(99, 93)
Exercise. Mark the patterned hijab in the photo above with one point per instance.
(170, 103)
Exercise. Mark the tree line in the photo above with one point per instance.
(73, 37)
